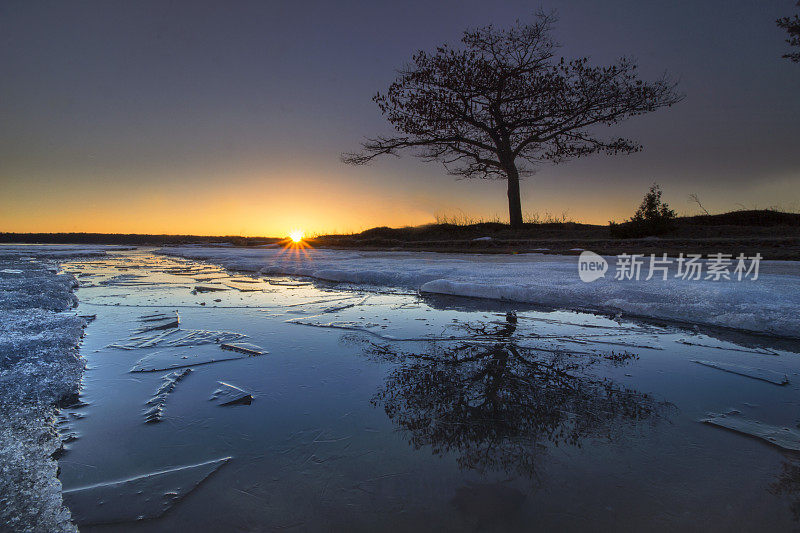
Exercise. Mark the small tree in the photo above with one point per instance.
(652, 210)
(653, 217)
(792, 27)
(504, 103)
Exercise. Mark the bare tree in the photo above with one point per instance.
(696, 199)
(792, 27)
(502, 103)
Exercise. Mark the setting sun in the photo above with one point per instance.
(296, 235)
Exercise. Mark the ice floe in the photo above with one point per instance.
(155, 405)
(782, 437)
(228, 394)
(176, 337)
(243, 347)
(206, 288)
(778, 378)
(171, 359)
(137, 498)
(160, 322)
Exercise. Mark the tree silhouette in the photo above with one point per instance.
(494, 403)
(792, 27)
(503, 103)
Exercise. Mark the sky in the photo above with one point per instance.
(228, 118)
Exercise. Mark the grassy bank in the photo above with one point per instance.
(775, 234)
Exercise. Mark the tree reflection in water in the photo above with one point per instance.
(788, 484)
(495, 403)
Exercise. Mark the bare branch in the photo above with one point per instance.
(502, 104)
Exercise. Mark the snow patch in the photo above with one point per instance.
(766, 305)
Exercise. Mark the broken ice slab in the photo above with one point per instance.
(782, 437)
(778, 378)
(176, 337)
(289, 283)
(171, 359)
(161, 322)
(190, 271)
(138, 498)
(246, 288)
(156, 404)
(228, 394)
(155, 317)
(124, 279)
(206, 288)
(243, 347)
(727, 346)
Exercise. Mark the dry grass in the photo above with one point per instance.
(459, 218)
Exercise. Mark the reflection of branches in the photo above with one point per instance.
(494, 404)
(788, 483)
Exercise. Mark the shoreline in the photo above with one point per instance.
(42, 373)
(765, 306)
(774, 249)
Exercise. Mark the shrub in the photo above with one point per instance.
(654, 217)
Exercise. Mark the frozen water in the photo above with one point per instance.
(175, 337)
(769, 376)
(181, 358)
(243, 347)
(766, 305)
(157, 323)
(138, 498)
(782, 437)
(424, 411)
(206, 288)
(228, 394)
(155, 411)
(57, 251)
(39, 367)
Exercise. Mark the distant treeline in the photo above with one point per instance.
(128, 238)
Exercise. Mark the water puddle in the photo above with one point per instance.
(216, 400)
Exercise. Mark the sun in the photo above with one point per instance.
(294, 245)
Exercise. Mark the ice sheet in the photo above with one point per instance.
(155, 410)
(766, 305)
(228, 394)
(39, 367)
(171, 359)
(782, 437)
(175, 337)
(770, 376)
(138, 498)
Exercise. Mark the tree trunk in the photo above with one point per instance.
(514, 202)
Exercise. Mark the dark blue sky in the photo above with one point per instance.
(229, 117)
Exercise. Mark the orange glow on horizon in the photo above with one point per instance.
(245, 206)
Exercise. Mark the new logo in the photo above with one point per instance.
(591, 266)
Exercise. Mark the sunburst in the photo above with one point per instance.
(295, 245)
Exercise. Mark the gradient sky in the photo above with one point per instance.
(229, 117)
